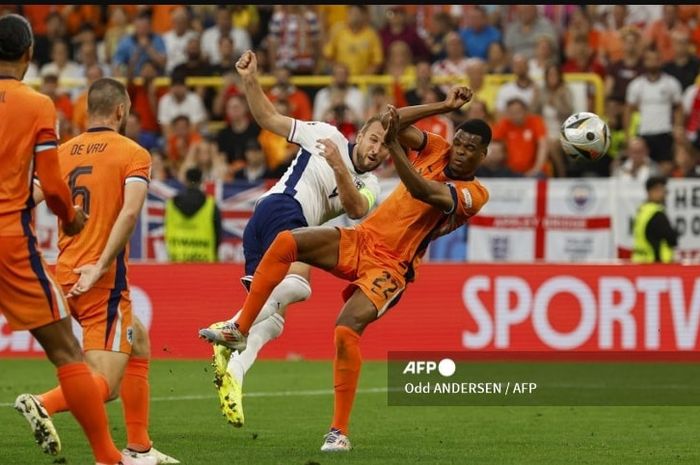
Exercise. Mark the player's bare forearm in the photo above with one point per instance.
(261, 108)
(134, 197)
(431, 192)
(412, 137)
(354, 203)
(409, 115)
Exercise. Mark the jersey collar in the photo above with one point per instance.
(450, 175)
(100, 129)
(351, 147)
(4, 76)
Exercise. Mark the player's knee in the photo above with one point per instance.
(357, 321)
(293, 288)
(141, 346)
(285, 245)
(65, 352)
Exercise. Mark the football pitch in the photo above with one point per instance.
(288, 407)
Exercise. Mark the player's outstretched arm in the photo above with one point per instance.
(433, 193)
(134, 196)
(261, 108)
(412, 137)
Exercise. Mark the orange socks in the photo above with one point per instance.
(270, 272)
(84, 401)
(54, 401)
(346, 372)
(135, 393)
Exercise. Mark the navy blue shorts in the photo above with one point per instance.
(273, 214)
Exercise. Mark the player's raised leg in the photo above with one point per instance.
(314, 246)
(357, 313)
(270, 322)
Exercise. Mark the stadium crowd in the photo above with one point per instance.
(646, 55)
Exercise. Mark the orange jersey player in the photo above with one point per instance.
(29, 296)
(379, 256)
(108, 175)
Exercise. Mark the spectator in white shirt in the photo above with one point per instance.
(657, 96)
(455, 64)
(180, 101)
(637, 165)
(223, 26)
(176, 39)
(523, 87)
(354, 98)
(60, 65)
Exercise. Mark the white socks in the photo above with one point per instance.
(269, 323)
(293, 288)
(259, 335)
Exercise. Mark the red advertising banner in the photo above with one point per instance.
(475, 307)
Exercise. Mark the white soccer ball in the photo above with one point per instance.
(585, 135)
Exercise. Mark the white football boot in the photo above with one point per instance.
(161, 458)
(44, 432)
(335, 441)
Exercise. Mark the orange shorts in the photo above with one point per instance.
(106, 318)
(377, 274)
(29, 296)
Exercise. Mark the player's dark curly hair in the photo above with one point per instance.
(15, 37)
(478, 127)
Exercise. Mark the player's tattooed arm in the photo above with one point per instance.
(433, 193)
(412, 137)
(261, 108)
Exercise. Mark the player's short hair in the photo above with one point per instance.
(655, 181)
(15, 37)
(370, 122)
(104, 95)
(478, 127)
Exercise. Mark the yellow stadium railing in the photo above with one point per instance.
(364, 81)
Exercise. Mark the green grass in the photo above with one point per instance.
(186, 423)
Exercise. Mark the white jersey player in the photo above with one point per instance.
(328, 177)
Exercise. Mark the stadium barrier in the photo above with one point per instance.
(525, 220)
(507, 309)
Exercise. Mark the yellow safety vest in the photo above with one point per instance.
(643, 252)
(193, 238)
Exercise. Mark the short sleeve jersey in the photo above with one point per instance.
(27, 128)
(404, 226)
(97, 165)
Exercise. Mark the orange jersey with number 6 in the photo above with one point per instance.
(97, 165)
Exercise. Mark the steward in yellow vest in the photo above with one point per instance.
(654, 237)
(192, 223)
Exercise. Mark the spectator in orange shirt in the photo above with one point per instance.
(63, 104)
(523, 136)
(611, 38)
(580, 26)
(437, 124)
(278, 151)
(183, 135)
(145, 96)
(92, 74)
(298, 100)
(659, 32)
